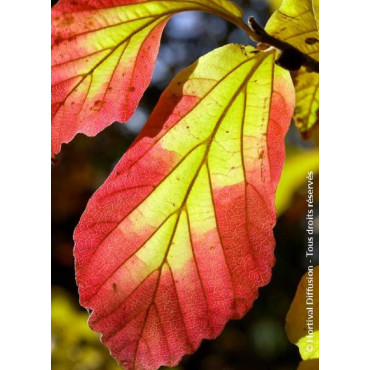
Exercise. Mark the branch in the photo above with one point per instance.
(291, 58)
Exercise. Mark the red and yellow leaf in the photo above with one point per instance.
(179, 238)
(103, 54)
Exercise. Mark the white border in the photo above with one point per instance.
(344, 184)
(25, 184)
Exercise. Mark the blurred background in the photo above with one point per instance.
(258, 341)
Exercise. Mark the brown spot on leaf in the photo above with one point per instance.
(114, 286)
(57, 41)
(311, 40)
(67, 21)
(131, 89)
(97, 105)
(242, 49)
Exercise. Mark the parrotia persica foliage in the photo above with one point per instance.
(179, 238)
(103, 55)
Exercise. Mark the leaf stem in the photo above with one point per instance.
(257, 33)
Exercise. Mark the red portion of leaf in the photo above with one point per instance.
(74, 107)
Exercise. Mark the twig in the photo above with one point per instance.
(291, 58)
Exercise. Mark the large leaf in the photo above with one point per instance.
(179, 238)
(103, 54)
(297, 22)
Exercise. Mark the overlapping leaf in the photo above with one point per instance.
(297, 22)
(302, 321)
(306, 113)
(103, 54)
(294, 174)
(179, 238)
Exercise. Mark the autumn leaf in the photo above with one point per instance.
(306, 113)
(297, 22)
(102, 56)
(302, 321)
(295, 170)
(179, 238)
